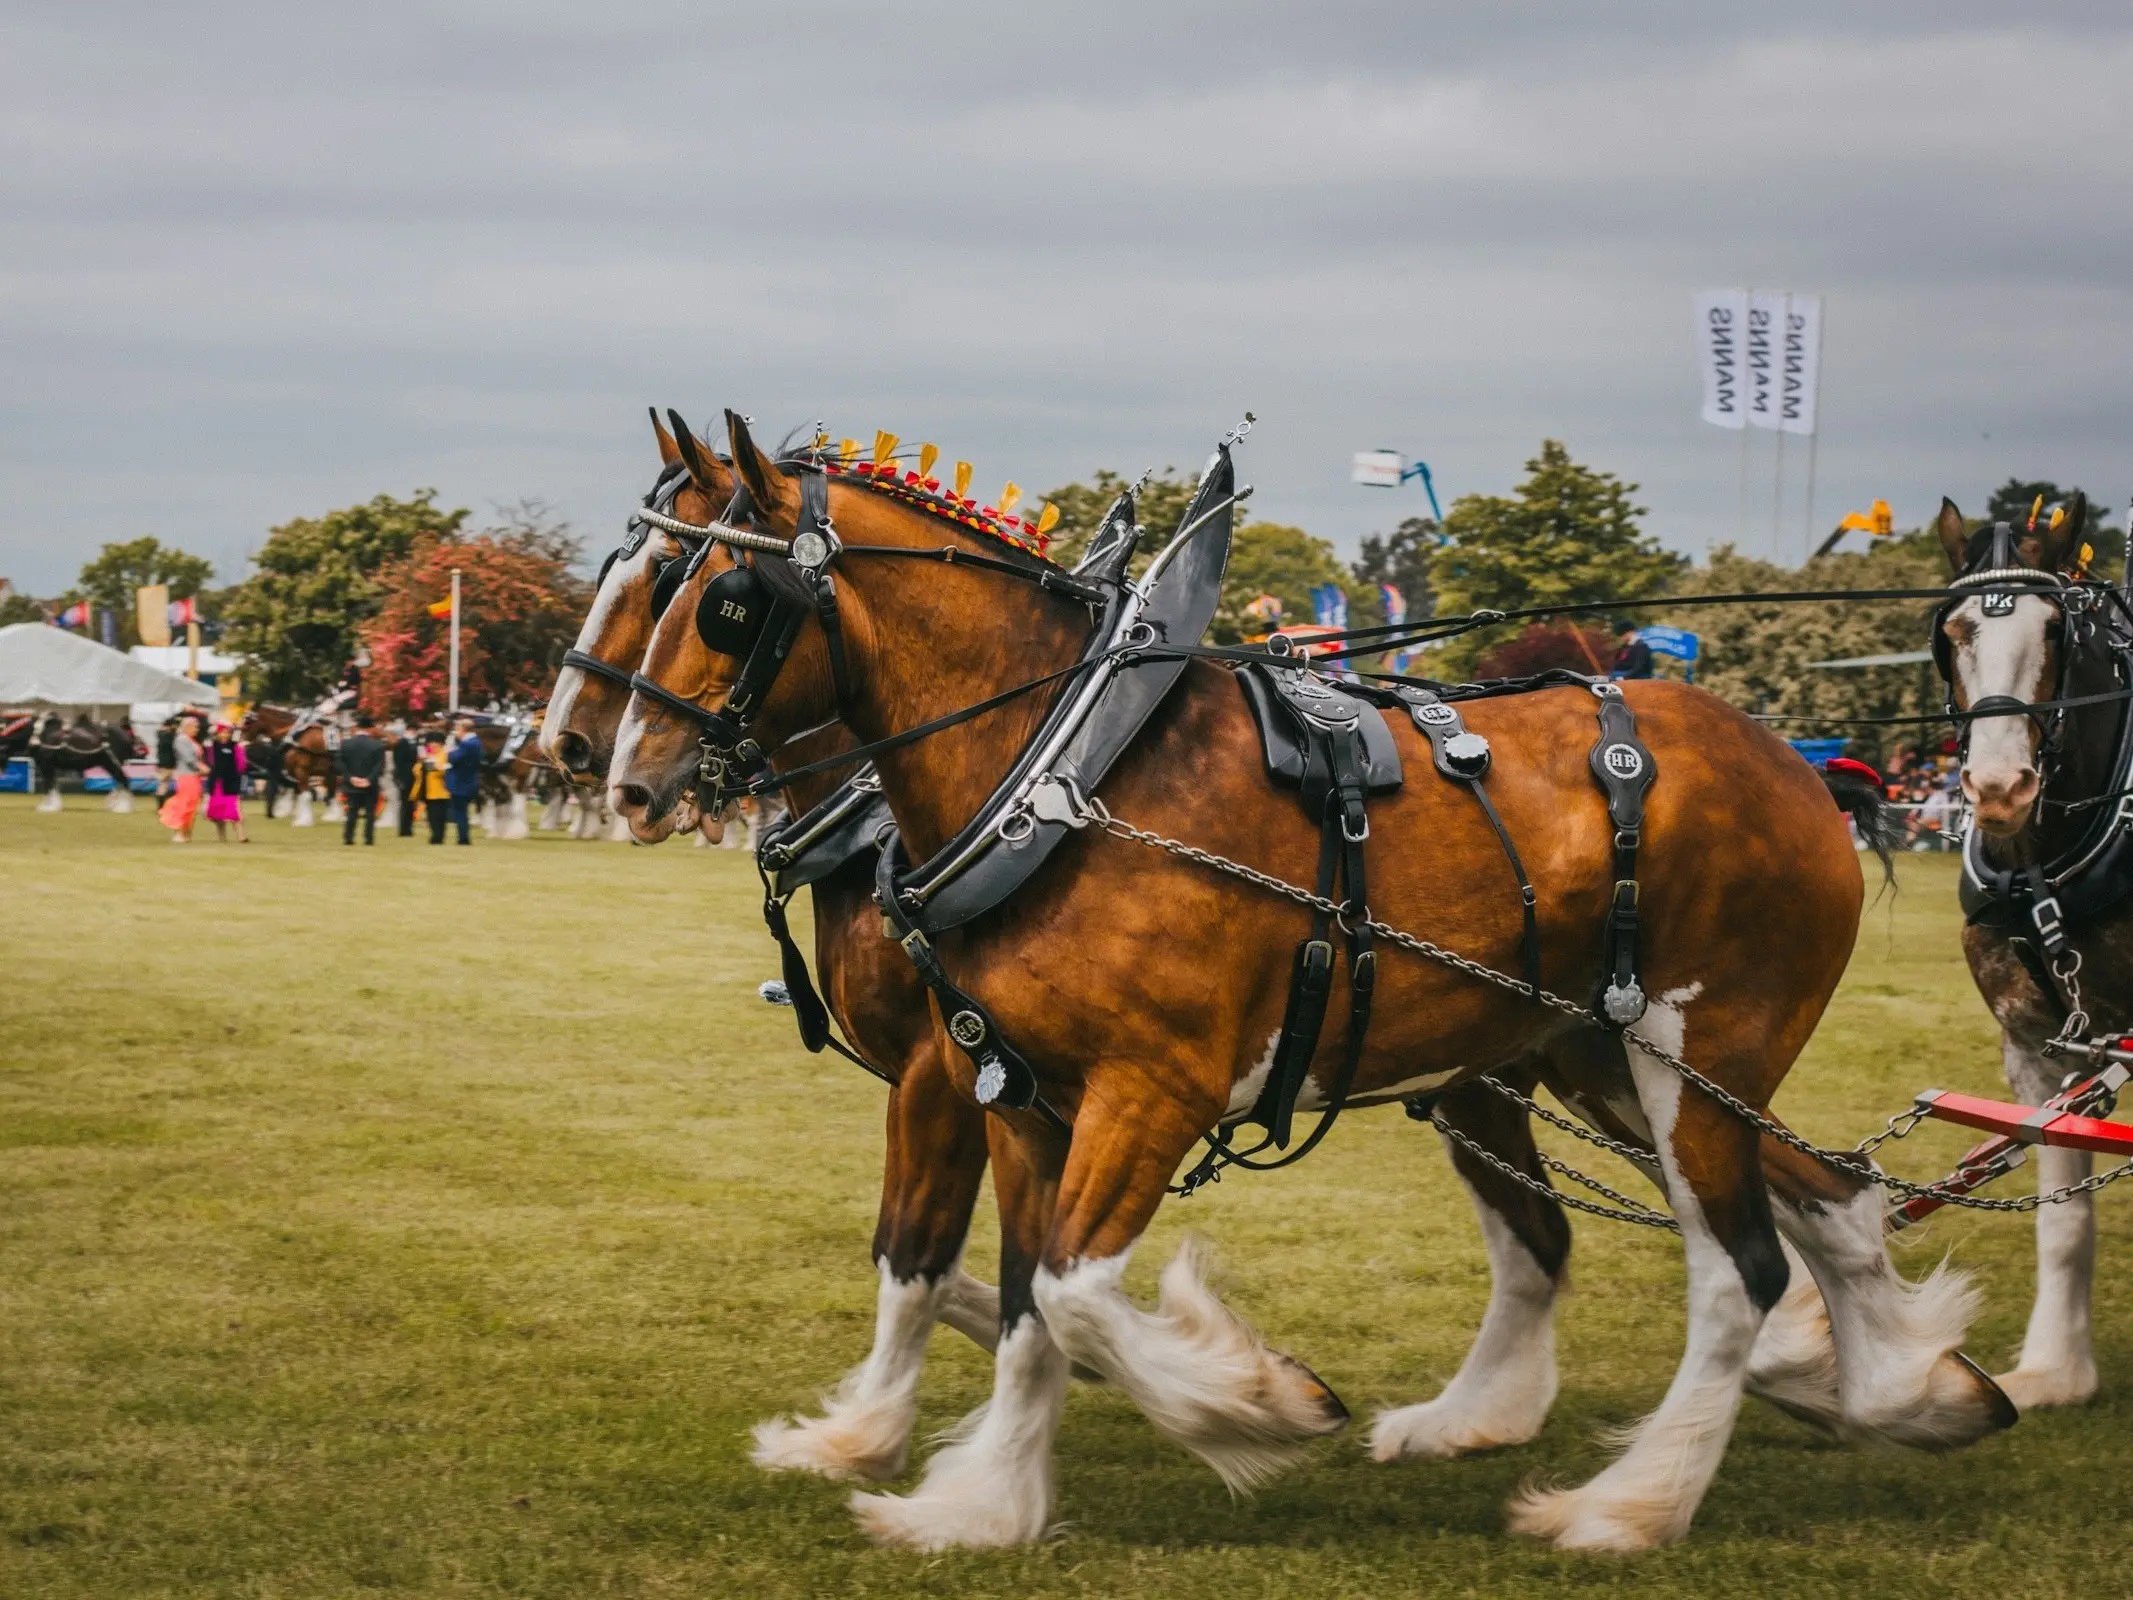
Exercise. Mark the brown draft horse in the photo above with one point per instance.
(1100, 971)
(935, 1160)
(2033, 807)
(936, 1144)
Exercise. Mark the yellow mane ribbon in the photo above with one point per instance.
(884, 448)
(962, 480)
(2033, 510)
(1009, 494)
(927, 455)
(1048, 518)
(848, 451)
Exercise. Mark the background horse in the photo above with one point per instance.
(1146, 1040)
(2034, 802)
(83, 746)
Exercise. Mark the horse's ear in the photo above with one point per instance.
(1954, 536)
(2062, 540)
(702, 465)
(669, 451)
(769, 488)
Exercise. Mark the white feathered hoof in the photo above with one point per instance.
(304, 817)
(846, 1442)
(2036, 1388)
(1599, 1516)
(1453, 1425)
(120, 801)
(1794, 1364)
(51, 801)
(1963, 1405)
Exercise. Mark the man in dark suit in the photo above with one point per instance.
(404, 754)
(1633, 658)
(360, 765)
(462, 778)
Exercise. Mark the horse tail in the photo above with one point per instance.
(1856, 787)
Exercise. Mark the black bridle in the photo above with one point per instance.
(757, 619)
(666, 576)
(1996, 583)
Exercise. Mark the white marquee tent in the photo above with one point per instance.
(41, 665)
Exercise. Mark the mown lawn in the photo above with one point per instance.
(437, 1221)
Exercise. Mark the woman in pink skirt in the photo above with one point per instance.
(225, 783)
(183, 806)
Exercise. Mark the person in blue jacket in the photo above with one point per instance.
(462, 776)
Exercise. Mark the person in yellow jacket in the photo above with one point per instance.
(430, 788)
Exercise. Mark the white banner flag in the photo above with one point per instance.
(1721, 324)
(1800, 366)
(1766, 328)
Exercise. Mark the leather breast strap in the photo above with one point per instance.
(1005, 1077)
(1625, 769)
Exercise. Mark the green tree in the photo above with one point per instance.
(1402, 558)
(2011, 503)
(118, 570)
(1567, 535)
(1271, 558)
(15, 606)
(297, 620)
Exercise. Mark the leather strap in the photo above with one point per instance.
(1625, 769)
(598, 668)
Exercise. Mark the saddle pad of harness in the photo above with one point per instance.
(1296, 710)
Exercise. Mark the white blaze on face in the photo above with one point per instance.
(628, 580)
(2000, 655)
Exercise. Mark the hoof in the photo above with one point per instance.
(927, 1522)
(1437, 1431)
(1333, 1410)
(2036, 1388)
(869, 1449)
(1587, 1519)
(1963, 1405)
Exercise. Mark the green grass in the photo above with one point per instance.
(437, 1222)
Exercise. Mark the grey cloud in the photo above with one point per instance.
(256, 264)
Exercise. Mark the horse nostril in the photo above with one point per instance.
(632, 797)
(575, 751)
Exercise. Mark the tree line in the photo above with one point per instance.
(367, 583)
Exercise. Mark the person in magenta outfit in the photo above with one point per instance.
(225, 783)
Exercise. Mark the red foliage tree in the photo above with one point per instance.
(520, 607)
(1542, 645)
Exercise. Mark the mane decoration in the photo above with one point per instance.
(886, 474)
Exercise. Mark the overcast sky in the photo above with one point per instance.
(260, 262)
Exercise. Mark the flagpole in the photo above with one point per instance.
(455, 641)
(1814, 437)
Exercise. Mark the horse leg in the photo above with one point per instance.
(1502, 1391)
(1200, 1372)
(2057, 1366)
(935, 1163)
(1736, 1273)
(48, 784)
(990, 1485)
(121, 797)
(1900, 1374)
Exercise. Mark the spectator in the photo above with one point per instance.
(430, 788)
(1633, 657)
(182, 809)
(225, 783)
(166, 756)
(405, 760)
(360, 765)
(462, 778)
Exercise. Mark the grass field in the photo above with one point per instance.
(438, 1221)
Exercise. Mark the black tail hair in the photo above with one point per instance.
(1864, 804)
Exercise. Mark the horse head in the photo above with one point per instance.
(2000, 644)
(578, 728)
(741, 663)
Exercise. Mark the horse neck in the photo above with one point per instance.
(925, 639)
